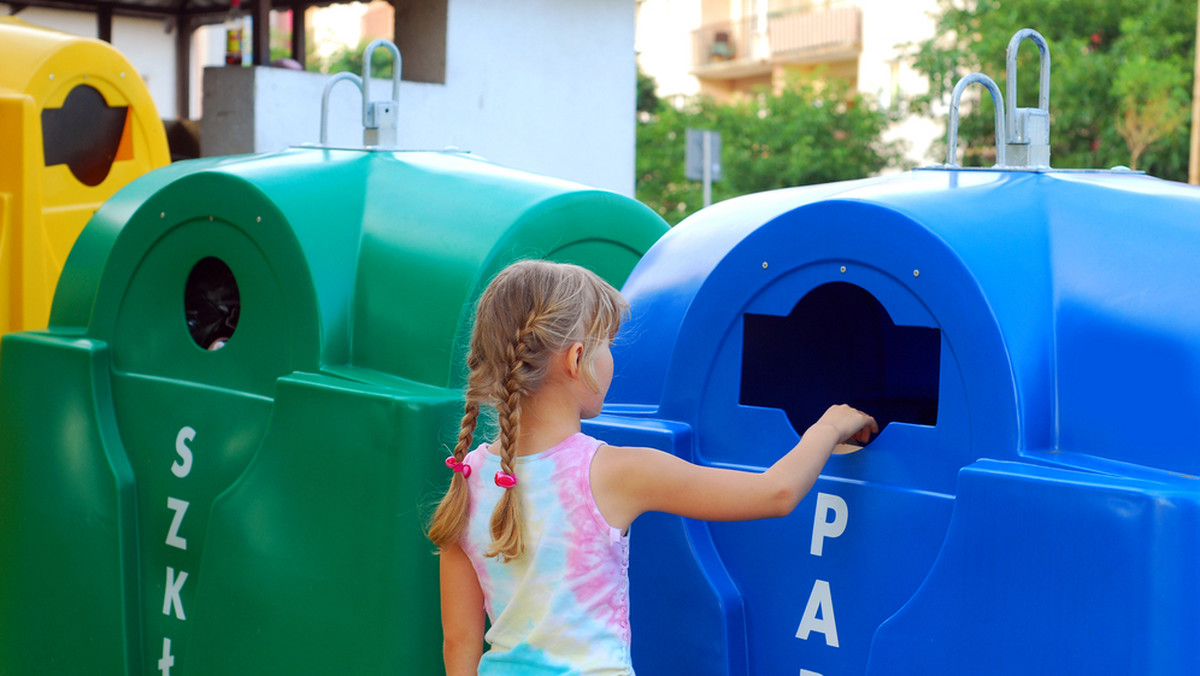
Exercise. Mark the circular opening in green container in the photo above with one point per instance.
(211, 303)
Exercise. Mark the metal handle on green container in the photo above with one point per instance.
(325, 100)
(379, 117)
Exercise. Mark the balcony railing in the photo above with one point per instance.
(790, 35)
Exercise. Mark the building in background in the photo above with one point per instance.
(141, 40)
(538, 85)
(729, 48)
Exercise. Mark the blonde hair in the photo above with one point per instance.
(530, 312)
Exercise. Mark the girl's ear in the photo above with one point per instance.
(574, 359)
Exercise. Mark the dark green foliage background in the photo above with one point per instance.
(812, 131)
(1105, 56)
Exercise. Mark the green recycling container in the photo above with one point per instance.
(219, 457)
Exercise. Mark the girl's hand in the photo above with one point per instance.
(850, 424)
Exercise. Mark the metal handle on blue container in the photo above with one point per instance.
(1010, 74)
(1028, 137)
(997, 104)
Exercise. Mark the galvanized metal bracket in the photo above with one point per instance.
(1022, 134)
(1028, 138)
(379, 118)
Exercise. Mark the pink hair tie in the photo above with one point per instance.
(505, 480)
(457, 466)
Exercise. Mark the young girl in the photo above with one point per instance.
(533, 529)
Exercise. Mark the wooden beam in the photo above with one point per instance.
(262, 33)
(184, 27)
(104, 15)
(298, 37)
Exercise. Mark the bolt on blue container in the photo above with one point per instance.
(1029, 339)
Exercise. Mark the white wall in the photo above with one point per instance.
(146, 43)
(882, 67)
(543, 85)
(208, 49)
(540, 85)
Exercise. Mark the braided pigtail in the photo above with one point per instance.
(508, 541)
(450, 520)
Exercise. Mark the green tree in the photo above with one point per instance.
(647, 99)
(350, 59)
(281, 48)
(342, 59)
(811, 131)
(1120, 76)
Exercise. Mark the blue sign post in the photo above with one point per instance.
(702, 159)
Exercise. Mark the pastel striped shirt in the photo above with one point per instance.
(562, 607)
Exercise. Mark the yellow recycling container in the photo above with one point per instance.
(76, 124)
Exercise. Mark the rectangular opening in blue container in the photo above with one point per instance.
(839, 345)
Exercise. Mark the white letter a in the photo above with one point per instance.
(821, 601)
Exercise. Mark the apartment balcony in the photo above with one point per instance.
(754, 45)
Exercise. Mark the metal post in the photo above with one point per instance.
(298, 37)
(104, 17)
(260, 45)
(1194, 155)
(184, 27)
(707, 145)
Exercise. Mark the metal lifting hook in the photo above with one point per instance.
(997, 103)
(325, 100)
(378, 117)
(1022, 134)
(1028, 138)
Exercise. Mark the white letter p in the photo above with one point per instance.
(828, 529)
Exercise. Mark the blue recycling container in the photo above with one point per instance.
(1030, 342)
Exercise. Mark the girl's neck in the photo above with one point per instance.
(547, 417)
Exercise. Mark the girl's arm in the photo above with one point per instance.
(629, 481)
(462, 613)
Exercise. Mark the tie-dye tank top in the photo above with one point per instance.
(562, 607)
